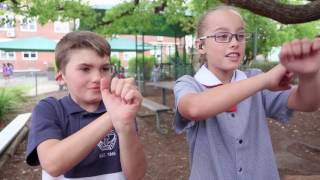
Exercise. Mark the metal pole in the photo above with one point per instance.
(143, 70)
(255, 39)
(136, 70)
(36, 82)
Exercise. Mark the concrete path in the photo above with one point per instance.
(39, 85)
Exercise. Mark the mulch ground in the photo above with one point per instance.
(296, 145)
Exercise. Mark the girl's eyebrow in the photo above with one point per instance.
(226, 29)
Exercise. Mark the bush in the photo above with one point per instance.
(146, 69)
(9, 99)
(263, 65)
(115, 61)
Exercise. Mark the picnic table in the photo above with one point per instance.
(164, 85)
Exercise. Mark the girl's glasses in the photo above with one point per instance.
(226, 37)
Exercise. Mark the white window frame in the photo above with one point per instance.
(6, 57)
(61, 27)
(29, 26)
(29, 54)
(160, 38)
(7, 25)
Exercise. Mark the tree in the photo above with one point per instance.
(280, 11)
(143, 16)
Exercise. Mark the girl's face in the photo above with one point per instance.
(223, 56)
(82, 76)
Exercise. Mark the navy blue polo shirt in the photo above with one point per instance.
(231, 145)
(58, 119)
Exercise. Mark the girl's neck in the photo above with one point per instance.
(224, 76)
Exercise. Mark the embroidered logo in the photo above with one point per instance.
(108, 142)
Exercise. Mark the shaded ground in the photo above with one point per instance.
(296, 146)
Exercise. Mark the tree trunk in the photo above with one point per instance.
(284, 13)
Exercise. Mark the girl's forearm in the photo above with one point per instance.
(219, 99)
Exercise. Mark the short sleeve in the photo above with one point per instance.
(276, 105)
(184, 85)
(45, 124)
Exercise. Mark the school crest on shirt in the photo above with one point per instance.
(108, 143)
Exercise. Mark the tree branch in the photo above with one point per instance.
(157, 10)
(160, 8)
(284, 13)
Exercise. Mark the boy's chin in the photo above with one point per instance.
(96, 99)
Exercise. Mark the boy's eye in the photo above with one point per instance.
(85, 69)
(106, 69)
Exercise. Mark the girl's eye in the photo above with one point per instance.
(222, 36)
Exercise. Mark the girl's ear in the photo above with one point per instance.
(59, 78)
(200, 46)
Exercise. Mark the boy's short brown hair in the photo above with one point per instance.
(79, 40)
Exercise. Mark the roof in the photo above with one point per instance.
(28, 44)
(124, 44)
(43, 44)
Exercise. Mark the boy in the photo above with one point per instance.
(91, 133)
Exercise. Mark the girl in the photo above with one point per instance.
(223, 110)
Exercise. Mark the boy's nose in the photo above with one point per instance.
(97, 75)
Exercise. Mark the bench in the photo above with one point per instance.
(157, 108)
(12, 133)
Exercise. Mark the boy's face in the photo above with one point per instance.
(222, 55)
(82, 76)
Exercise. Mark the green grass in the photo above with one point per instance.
(10, 97)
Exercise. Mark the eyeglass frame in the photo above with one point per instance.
(246, 34)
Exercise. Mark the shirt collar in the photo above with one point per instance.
(72, 107)
(208, 79)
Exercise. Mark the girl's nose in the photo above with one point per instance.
(234, 42)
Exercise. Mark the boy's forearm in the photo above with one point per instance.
(132, 155)
(65, 154)
(306, 96)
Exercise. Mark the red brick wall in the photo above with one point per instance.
(45, 59)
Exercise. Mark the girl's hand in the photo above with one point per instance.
(278, 78)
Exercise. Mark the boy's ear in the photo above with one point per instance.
(59, 78)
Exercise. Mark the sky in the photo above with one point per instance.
(104, 2)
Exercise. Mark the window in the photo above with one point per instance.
(61, 27)
(170, 49)
(7, 55)
(6, 22)
(30, 55)
(28, 24)
(160, 38)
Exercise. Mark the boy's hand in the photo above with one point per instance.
(302, 57)
(122, 102)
